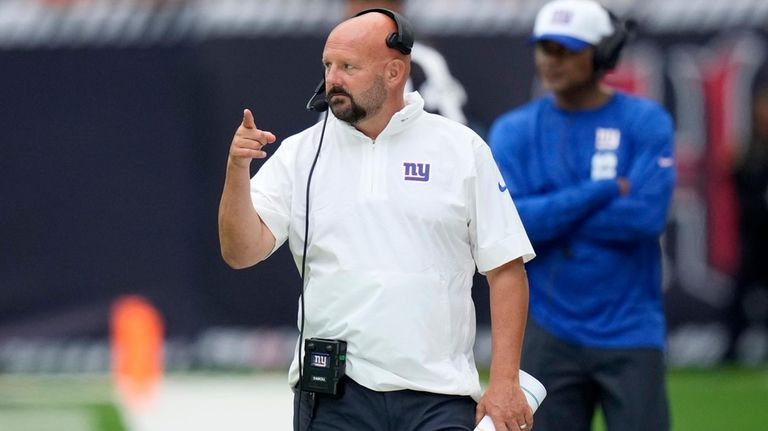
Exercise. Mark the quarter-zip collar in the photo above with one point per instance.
(414, 107)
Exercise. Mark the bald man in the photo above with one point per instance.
(443, 93)
(403, 205)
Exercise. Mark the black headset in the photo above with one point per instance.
(401, 39)
(608, 50)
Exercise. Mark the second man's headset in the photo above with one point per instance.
(608, 50)
(401, 39)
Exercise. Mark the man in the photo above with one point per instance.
(403, 205)
(591, 172)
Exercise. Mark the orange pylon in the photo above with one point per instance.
(137, 348)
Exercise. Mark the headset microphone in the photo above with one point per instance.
(318, 102)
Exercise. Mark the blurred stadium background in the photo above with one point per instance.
(115, 120)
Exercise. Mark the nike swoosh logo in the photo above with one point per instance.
(666, 162)
(502, 188)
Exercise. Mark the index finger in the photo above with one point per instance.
(248, 121)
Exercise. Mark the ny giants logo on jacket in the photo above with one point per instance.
(416, 171)
(605, 161)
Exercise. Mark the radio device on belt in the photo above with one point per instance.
(324, 364)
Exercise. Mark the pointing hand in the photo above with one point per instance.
(248, 142)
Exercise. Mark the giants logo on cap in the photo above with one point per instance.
(562, 17)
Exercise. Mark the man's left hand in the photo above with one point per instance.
(505, 403)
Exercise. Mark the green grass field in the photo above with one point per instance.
(71, 403)
(717, 399)
(733, 398)
(701, 400)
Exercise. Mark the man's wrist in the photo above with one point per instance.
(507, 375)
(238, 163)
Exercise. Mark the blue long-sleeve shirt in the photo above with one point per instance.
(596, 280)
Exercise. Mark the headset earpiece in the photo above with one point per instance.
(608, 50)
(402, 38)
(393, 41)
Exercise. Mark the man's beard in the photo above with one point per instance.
(351, 114)
(371, 101)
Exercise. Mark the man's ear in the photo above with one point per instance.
(395, 72)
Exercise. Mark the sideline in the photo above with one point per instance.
(204, 403)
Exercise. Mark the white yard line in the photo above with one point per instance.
(59, 419)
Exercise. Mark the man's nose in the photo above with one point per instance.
(332, 76)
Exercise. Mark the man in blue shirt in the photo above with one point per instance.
(591, 170)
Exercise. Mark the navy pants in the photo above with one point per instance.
(628, 384)
(362, 409)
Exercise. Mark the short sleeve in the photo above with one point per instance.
(271, 190)
(496, 231)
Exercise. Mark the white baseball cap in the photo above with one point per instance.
(575, 24)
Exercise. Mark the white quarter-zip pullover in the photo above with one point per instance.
(397, 227)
